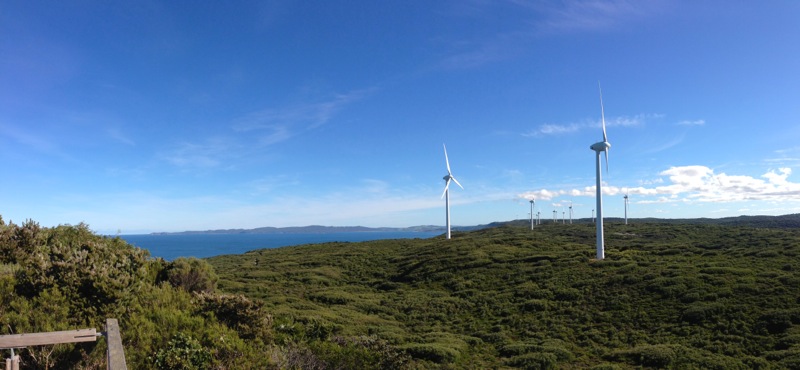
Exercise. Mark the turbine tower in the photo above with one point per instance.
(570, 213)
(599, 147)
(532, 203)
(626, 206)
(446, 193)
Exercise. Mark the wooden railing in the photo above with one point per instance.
(115, 354)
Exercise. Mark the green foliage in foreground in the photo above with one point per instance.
(666, 296)
(170, 314)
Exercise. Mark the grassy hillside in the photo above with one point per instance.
(667, 295)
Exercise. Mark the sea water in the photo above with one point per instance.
(172, 246)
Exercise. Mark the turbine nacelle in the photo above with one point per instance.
(601, 146)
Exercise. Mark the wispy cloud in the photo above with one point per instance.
(274, 125)
(27, 138)
(117, 134)
(662, 146)
(211, 153)
(568, 128)
(697, 122)
(590, 15)
(257, 130)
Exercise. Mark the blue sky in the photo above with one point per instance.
(165, 116)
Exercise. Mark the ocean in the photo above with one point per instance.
(172, 246)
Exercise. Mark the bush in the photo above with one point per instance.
(535, 361)
(182, 353)
(96, 274)
(243, 315)
(191, 274)
(658, 355)
(431, 352)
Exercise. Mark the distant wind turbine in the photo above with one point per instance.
(570, 213)
(532, 203)
(626, 206)
(602, 146)
(555, 213)
(446, 193)
(538, 218)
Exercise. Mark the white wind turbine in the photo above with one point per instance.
(446, 193)
(598, 147)
(626, 206)
(570, 213)
(532, 203)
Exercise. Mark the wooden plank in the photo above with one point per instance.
(116, 352)
(40, 339)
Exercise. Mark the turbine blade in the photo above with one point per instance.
(602, 112)
(446, 186)
(446, 161)
(459, 185)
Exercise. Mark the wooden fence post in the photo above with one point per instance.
(116, 353)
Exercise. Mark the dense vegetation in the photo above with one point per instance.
(681, 296)
(667, 296)
(170, 314)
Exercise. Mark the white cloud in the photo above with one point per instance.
(697, 122)
(697, 183)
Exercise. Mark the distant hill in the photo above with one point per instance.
(311, 229)
(785, 221)
(318, 229)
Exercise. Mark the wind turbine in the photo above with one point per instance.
(626, 206)
(555, 213)
(598, 147)
(570, 213)
(538, 217)
(446, 193)
(532, 203)
(593, 216)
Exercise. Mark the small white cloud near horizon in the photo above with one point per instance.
(690, 184)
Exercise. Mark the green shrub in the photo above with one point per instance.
(192, 275)
(98, 275)
(534, 361)
(658, 355)
(182, 353)
(245, 316)
(775, 322)
(431, 352)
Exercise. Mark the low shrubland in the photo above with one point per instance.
(673, 295)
